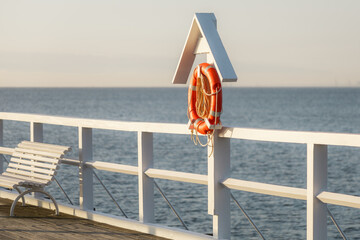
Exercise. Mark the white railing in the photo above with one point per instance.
(218, 180)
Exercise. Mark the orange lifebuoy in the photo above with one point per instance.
(205, 124)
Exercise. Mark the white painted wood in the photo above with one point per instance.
(267, 189)
(37, 164)
(202, 47)
(316, 183)
(207, 26)
(315, 194)
(187, 56)
(36, 132)
(203, 27)
(33, 168)
(1, 145)
(146, 184)
(25, 178)
(6, 150)
(28, 172)
(339, 139)
(37, 152)
(43, 146)
(177, 176)
(321, 138)
(34, 157)
(339, 199)
(99, 124)
(85, 173)
(218, 194)
(113, 167)
(21, 174)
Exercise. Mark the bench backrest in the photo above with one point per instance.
(37, 161)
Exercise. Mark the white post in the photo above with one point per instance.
(316, 183)
(85, 173)
(218, 194)
(36, 132)
(146, 184)
(1, 144)
(36, 135)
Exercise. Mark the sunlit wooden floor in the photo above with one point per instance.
(37, 223)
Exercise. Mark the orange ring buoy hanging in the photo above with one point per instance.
(207, 123)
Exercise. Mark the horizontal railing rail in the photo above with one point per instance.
(218, 179)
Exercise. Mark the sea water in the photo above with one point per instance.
(299, 109)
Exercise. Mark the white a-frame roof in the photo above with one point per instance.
(203, 38)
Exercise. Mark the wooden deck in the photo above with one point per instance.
(37, 223)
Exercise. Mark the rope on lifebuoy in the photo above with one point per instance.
(204, 107)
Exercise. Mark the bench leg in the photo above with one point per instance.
(29, 191)
(22, 198)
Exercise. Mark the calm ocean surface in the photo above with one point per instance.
(303, 109)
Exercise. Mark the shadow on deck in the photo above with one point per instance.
(37, 223)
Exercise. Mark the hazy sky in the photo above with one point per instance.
(105, 43)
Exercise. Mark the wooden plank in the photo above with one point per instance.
(46, 145)
(7, 184)
(6, 150)
(20, 174)
(267, 189)
(31, 168)
(339, 199)
(33, 163)
(339, 139)
(145, 184)
(98, 124)
(218, 195)
(113, 167)
(41, 148)
(38, 152)
(187, 56)
(35, 158)
(177, 176)
(24, 178)
(316, 211)
(86, 198)
(207, 26)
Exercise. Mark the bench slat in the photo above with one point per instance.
(32, 169)
(20, 173)
(37, 152)
(36, 158)
(37, 164)
(30, 145)
(46, 145)
(24, 178)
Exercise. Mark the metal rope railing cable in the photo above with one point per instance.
(111, 196)
(170, 205)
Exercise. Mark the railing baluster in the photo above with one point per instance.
(85, 173)
(146, 184)
(1, 144)
(316, 182)
(36, 135)
(36, 132)
(218, 194)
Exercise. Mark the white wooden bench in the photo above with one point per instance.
(32, 166)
